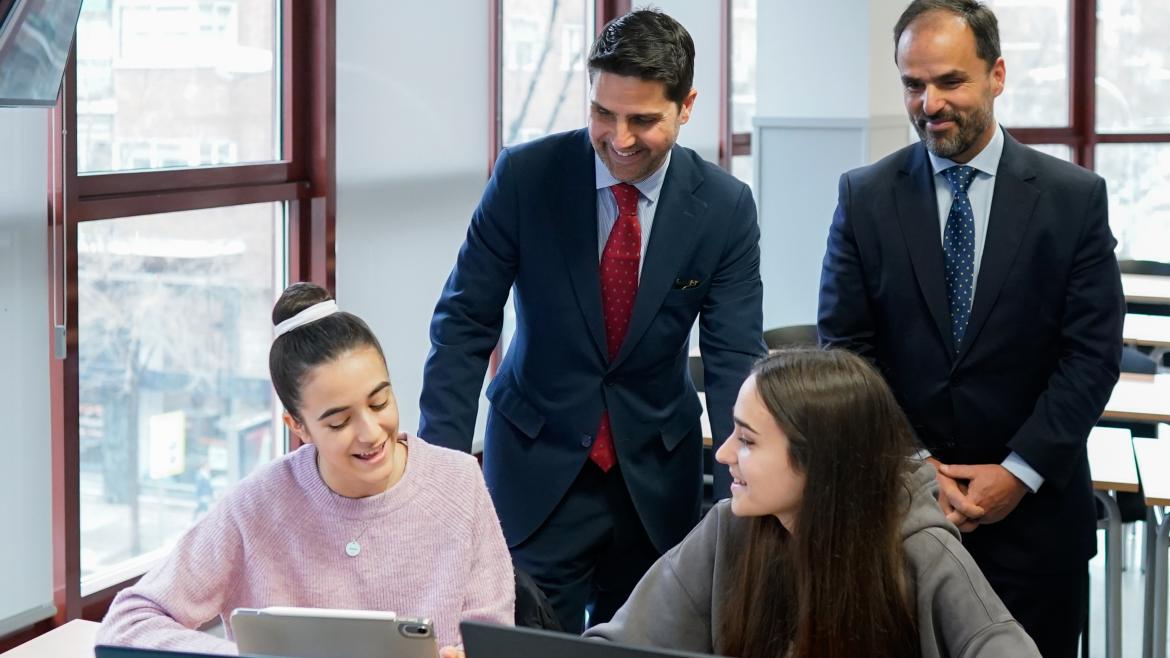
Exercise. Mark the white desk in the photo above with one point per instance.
(1147, 330)
(1140, 398)
(1112, 465)
(1153, 457)
(72, 640)
(1146, 288)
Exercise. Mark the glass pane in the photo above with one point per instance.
(175, 400)
(1133, 66)
(1062, 151)
(1033, 38)
(166, 83)
(1138, 176)
(543, 81)
(743, 65)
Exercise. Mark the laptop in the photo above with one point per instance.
(329, 633)
(492, 641)
(107, 651)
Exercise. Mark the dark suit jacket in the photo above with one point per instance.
(535, 231)
(1041, 351)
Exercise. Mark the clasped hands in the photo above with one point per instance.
(971, 495)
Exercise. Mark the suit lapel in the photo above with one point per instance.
(578, 234)
(1012, 205)
(676, 226)
(918, 219)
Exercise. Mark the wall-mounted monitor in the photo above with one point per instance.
(35, 36)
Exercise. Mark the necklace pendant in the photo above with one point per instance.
(353, 548)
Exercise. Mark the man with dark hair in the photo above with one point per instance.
(613, 239)
(979, 275)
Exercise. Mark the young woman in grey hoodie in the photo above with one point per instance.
(832, 544)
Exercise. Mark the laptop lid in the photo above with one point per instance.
(107, 651)
(491, 641)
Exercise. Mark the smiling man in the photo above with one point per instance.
(979, 275)
(613, 240)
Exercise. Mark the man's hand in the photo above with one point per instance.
(954, 499)
(990, 487)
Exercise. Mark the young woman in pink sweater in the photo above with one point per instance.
(362, 516)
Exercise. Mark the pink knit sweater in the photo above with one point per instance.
(431, 546)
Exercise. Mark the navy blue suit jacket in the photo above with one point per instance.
(1042, 346)
(535, 232)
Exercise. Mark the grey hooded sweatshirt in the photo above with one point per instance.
(958, 614)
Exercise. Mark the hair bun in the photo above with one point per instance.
(296, 298)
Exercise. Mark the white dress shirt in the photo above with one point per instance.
(981, 191)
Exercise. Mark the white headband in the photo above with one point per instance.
(310, 314)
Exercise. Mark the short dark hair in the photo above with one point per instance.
(977, 15)
(649, 45)
(295, 353)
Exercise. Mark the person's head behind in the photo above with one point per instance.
(641, 70)
(948, 55)
(819, 456)
(330, 374)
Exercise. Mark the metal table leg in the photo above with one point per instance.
(1111, 523)
(1151, 579)
(1160, 585)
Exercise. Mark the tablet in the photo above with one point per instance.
(329, 633)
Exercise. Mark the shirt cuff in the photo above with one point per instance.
(1016, 465)
(923, 455)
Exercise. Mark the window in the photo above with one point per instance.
(542, 84)
(173, 335)
(736, 149)
(1087, 82)
(179, 83)
(193, 141)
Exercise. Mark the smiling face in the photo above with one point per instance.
(349, 413)
(765, 481)
(948, 90)
(632, 123)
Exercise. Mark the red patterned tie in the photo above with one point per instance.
(619, 287)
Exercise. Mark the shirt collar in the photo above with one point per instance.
(987, 161)
(649, 187)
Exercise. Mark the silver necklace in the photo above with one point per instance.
(353, 548)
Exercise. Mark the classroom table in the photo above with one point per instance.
(1146, 330)
(1153, 458)
(71, 640)
(1146, 289)
(1112, 465)
(1140, 398)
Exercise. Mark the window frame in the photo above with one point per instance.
(304, 178)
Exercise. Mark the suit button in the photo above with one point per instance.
(586, 441)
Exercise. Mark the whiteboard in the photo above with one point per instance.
(26, 568)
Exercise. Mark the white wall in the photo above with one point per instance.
(829, 100)
(26, 570)
(412, 150)
(701, 20)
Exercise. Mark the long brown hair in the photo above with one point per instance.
(836, 587)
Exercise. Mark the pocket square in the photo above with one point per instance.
(686, 284)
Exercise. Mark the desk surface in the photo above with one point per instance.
(1140, 398)
(73, 640)
(1146, 288)
(1153, 457)
(1150, 330)
(1111, 459)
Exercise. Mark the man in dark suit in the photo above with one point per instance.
(613, 240)
(979, 275)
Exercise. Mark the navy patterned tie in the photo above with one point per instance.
(959, 249)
